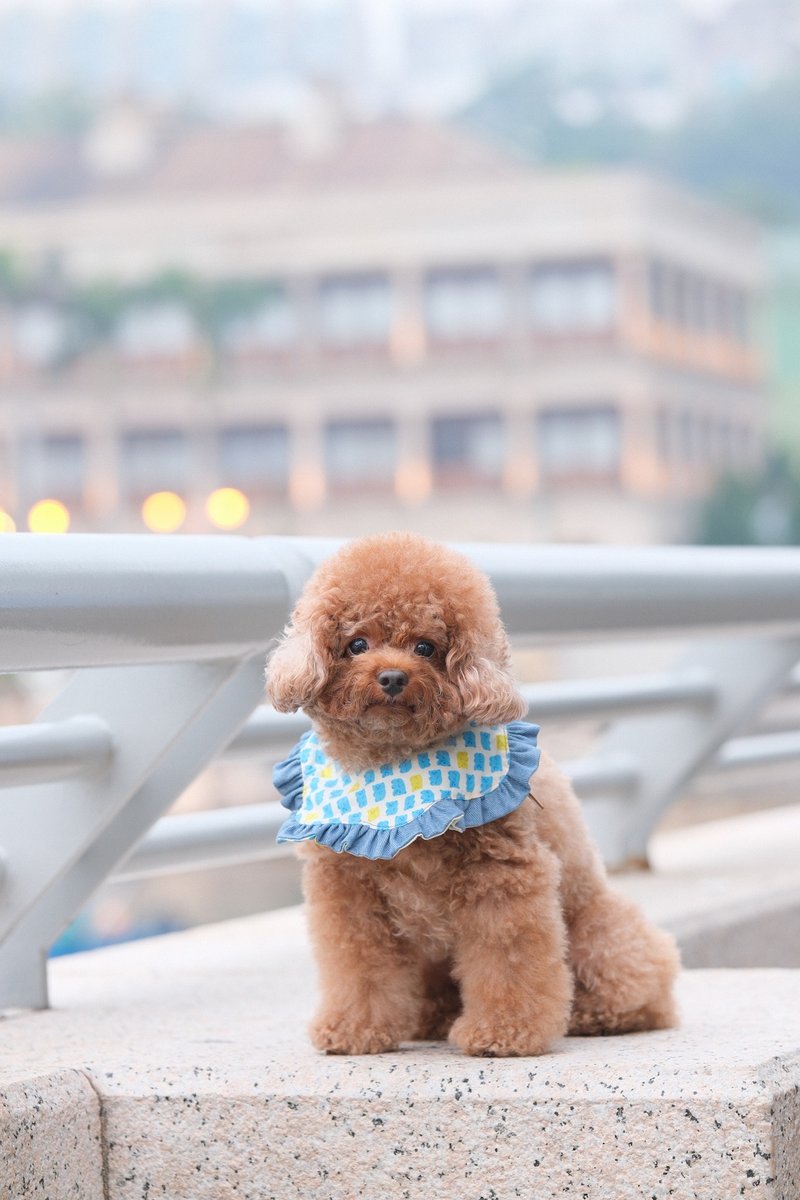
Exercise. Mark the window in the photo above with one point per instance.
(697, 303)
(271, 326)
(40, 334)
(464, 304)
(721, 310)
(689, 436)
(54, 465)
(688, 440)
(163, 330)
(579, 442)
(154, 461)
(681, 297)
(573, 298)
(468, 449)
(355, 311)
(740, 318)
(658, 288)
(672, 294)
(705, 439)
(360, 454)
(665, 434)
(693, 302)
(254, 458)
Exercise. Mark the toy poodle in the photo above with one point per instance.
(452, 889)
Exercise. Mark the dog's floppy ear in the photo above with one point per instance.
(489, 694)
(297, 669)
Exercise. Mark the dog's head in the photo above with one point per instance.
(398, 640)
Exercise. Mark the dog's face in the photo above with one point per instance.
(398, 641)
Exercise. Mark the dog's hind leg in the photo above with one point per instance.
(623, 966)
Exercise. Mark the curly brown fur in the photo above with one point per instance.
(503, 937)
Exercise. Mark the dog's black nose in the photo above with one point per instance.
(393, 682)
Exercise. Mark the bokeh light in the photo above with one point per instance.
(227, 508)
(163, 512)
(7, 523)
(49, 516)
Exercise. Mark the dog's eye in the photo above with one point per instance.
(425, 649)
(358, 646)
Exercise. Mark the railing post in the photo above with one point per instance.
(670, 749)
(62, 839)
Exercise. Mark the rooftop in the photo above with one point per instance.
(138, 154)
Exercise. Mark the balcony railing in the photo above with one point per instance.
(167, 639)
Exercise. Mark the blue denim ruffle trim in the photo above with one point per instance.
(444, 814)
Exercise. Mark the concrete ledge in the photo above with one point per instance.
(195, 1044)
(762, 931)
(50, 1137)
(729, 889)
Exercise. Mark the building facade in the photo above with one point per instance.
(430, 337)
(781, 325)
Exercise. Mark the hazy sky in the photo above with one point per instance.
(709, 6)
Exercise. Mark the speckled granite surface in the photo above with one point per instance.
(210, 1090)
(50, 1137)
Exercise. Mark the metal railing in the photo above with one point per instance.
(167, 639)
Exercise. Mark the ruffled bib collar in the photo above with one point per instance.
(466, 780)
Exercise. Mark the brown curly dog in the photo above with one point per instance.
(502, 937)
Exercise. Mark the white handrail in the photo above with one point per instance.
(546, 701)
(91, 599)
(37, 753)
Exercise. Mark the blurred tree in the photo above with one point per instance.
(97, 306)
(520, 113)
(212, 304)
(172, 285)
(226, 300)
(12, 282)
(743, 150)
(62, 111)
(753, 510)
(746, 152)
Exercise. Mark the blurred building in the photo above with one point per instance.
(367, 325)
(782, 322)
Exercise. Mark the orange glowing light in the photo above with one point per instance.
(163, 512)
(227, 508)
(48, 516)
(7, 524)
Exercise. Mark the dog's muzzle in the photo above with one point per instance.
(392, 682)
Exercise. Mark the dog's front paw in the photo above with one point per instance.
(342, 1035)
(495, 1038)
